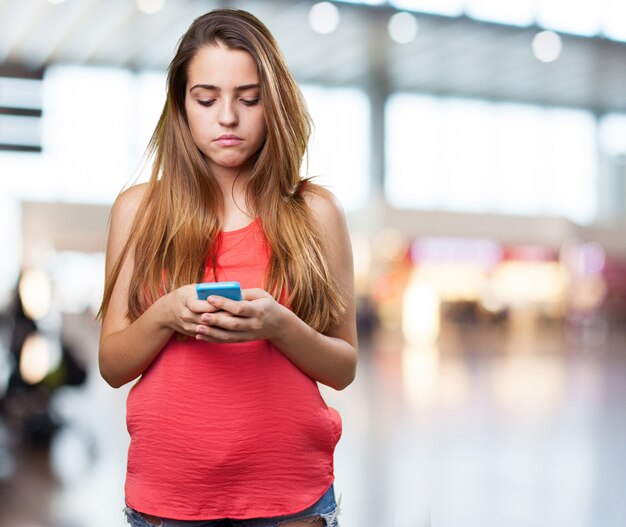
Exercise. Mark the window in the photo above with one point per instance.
(338, 150)
(475, 156)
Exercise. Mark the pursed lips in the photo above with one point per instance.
(228, 140)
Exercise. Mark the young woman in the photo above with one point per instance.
(226, 421)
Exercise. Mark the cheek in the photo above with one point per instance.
(196, 127)
(261, 131)
(194, 115)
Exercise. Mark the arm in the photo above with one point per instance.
(259, 316)
(127, 349)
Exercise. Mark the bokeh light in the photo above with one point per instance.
(324, 17)
(402, 27)
(150, 6)
(547, 46)
(35, 293)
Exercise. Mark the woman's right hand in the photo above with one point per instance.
(185, 310)
(127, 350)
(128, 347)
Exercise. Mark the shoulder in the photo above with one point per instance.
(124, 211)
(324, 205)
(128, 201)
(131, 197)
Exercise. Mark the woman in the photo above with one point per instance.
(227, 423)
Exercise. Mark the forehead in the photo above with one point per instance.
(222, 67)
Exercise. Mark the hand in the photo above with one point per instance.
(185, 310)
(255, 317)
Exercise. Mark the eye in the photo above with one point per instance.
(250, 102)
(208, 102)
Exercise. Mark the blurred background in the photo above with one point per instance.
(479, 150)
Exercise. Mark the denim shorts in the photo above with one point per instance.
(326, 509)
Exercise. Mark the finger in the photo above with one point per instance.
(192, 319)
(215, 334)
(201, 306)
(226, 321)
(235, 307)
(191, 328)
(253, 294)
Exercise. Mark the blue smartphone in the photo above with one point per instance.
(230, 290)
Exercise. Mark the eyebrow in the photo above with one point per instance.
(217, 88)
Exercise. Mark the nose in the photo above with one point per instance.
(228, 114)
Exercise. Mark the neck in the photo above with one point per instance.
(232, 184)
(236, 212)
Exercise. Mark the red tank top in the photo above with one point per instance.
(228, 430)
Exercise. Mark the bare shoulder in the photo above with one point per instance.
(123, 216)
(325, 206)
(128, 202)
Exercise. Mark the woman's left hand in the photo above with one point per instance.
(255, 317)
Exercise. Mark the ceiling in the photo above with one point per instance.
(450, 56)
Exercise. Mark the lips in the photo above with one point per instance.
(228, 140)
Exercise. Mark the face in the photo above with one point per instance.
(224, 108)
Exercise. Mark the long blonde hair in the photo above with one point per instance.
(177, 224)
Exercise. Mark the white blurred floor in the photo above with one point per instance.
(524, 426)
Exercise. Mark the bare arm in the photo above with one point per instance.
(334, 359)
(127, 349)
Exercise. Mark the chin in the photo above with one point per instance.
(233, 164)
(228, 165)
(241, 161)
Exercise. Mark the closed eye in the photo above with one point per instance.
(250, 102)
(207, 102)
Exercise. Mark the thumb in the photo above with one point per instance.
(254, 294)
